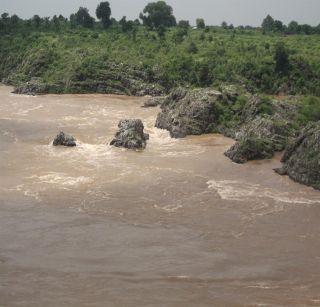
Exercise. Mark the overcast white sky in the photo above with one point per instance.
(246, 12)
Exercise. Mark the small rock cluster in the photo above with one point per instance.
(130, 135)
(63, 139)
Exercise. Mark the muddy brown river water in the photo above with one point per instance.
(175, 225)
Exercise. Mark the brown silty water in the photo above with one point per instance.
(175, 225)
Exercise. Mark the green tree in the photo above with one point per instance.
(103, 13)
(157, 16)
(184, 24)
(224, 25)
(278, 26)
(36, 20)
(306, 29)
(200, 23)
(126, 26)
(281, 58)
(83, 18)
(293, 27)
(268, 24)
(14, 20)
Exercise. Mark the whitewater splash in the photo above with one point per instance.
(241, 191)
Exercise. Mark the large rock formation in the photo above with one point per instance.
(130, 135)
(63, 139)
(265, 128)
(191, 112)
(260, 126)
(302, 158)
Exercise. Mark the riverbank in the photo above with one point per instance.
(110, 61)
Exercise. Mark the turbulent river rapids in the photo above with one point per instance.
(177, 224)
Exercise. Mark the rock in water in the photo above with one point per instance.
(63, 139)
(192, 112)
(302, 158)
(130, 135)
(250, 149)
(258, 139)
(154, 102)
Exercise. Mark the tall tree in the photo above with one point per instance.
(83, 18)
(184, 24)
(200, 23)
(103, 13)
(268, 24)
(278, 26)
(36, 20)
(293, 27)
(158, 16)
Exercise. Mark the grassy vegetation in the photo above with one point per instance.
(202, 57)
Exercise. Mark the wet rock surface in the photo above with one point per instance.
(302, 157)
(250, 149)
(63, 139)
(154, 102)
(189, 112)
(130, 135)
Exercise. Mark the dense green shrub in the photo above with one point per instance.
(310, 110)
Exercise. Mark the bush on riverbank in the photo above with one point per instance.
(108, 60)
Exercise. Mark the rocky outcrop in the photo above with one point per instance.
(191, 112)
(32, 87)
(154, 102)
(109, 78)
(259, 139)
(302, 157)
(130, 135)
(63, 139)
(261, 126)
(250, 149)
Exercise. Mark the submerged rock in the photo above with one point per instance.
(191, 112)
(154, 102)
(63, 139)
(130, 135)
(302, 158)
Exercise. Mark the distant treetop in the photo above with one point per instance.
(157, 15)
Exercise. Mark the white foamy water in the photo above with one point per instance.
(243, 191)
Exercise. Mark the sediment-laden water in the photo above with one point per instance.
(175, 225)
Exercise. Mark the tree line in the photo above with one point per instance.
(270, 24)
(157, 16)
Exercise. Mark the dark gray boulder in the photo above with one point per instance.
(154, 102)
(302, 157)
(192, 112)
(130, 135)
(63, 139)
